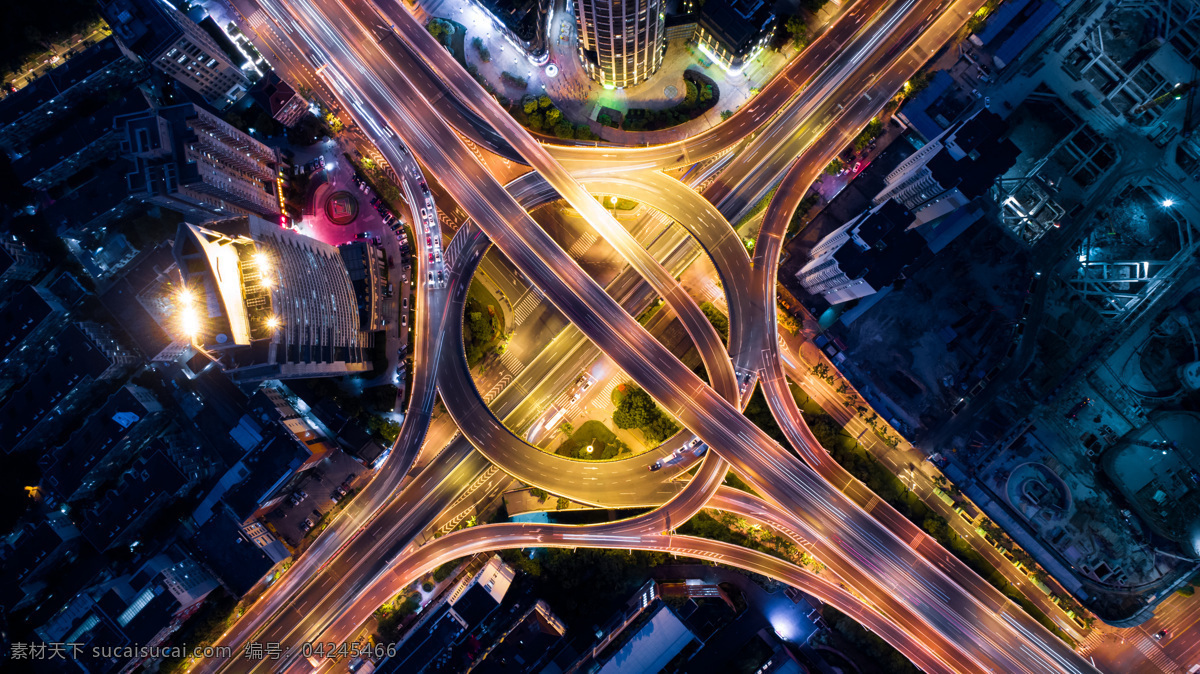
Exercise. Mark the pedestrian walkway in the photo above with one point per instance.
(606, 393)
(525, 306)
(1156, 655)
(511, 363)
(455, 247)
(582, 244)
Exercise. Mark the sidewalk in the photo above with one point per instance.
(580, 99)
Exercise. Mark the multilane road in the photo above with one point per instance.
(604, 322)
(856, 536)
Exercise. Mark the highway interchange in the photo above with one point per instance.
(394, 80)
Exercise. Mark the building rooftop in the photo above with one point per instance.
(272, 93)
(736, 24)
(889, 247)
(144, 26)
(76, 358)
(66, 467)
(22, 315)
(237, 562)
(98, 191)
(80, 67)
(86, 125)
(144, 276)
(271, 464)
(527, 646)
(975, 154)
(919, 111)
(145, 487)
(654, 645)
(68, 289)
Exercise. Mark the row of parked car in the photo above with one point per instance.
(317, 164)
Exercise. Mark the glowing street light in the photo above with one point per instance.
(273, 322)
(189, 321)
(1167, 203)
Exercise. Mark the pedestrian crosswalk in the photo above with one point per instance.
(511, 363)
(257, 20)
(582, 244)
(605, 396)
(1092, 641)
(526, 305)
(456, 246)
(1156, 655)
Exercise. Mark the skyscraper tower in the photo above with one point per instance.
(268, 303)
(621, 41)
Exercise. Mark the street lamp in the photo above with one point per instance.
(1167, 203)
(188, 320)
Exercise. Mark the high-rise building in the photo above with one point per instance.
(862, 256)
(952, 169)
(18, 263)
(154, 32)
(734, 31)
(621, 42)
(189, 160)
(268, 303)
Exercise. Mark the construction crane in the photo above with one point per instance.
(1174, 94)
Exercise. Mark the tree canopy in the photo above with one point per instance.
(636, 409)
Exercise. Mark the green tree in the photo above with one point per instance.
(562, 503)
(437, 28)
(726, 114)
(553, 116)
(334, 123)
(544, 101)
(659, 429)
(635, 410)
(798, 31)
(536, 121)
(564, 130)
(690, 93)
(869, 133)
(834, 166)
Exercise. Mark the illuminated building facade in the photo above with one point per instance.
(191, 161)
(621, 42)
(156, 33)
(268, 303)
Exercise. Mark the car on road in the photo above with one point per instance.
(430, 278)
(656, 465)
(404, 303)
(1161, 634)
(404, 320)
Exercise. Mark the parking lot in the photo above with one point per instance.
(318, 487)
